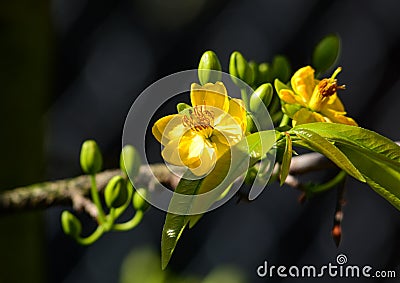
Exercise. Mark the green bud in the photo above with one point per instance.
(280, 85)
(70, 224)
(209, 68)
(326, 53)
(239, 68)
(251, 126)
(130, 161)
(91, 159)
(139, 203)
(116, 193)
(182, 106)
(281, 68)
(254, 68)
(264, 73)
(290, 109)
(262, 95)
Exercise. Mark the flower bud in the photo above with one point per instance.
(251, 126)
(209, 70)
(264, 73)
(326, 53)
(130, 161)
(139, 203)
(116, 193)
(281, 68)
(239, 68)
(70, 224)
(262, 95)
(254, 68)
(91, 159)
(182, 106)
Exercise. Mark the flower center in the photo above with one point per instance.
(199, 119)
(325, 89)
(328, 87)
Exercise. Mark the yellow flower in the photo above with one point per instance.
(313, 100)
(198, 136)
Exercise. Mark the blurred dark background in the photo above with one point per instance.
(70, 70)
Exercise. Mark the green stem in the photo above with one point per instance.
(92, 238)
(285, 120)
(131, 223)
(330, 184)
(96, 199)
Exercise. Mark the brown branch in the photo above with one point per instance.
(75, 191)
(62, 192)
(308, 163)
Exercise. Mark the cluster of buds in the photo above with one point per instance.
(119, 193)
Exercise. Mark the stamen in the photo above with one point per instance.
(336, 72)
(199, 119)
(328, 87)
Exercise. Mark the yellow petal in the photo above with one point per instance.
(190, 147)
(197, 153)
(238, 111)
(339, 117)
(207, 161)
(214, 95)
(168, 128)
(288, 96)
(220, 142)
(170, 153)
(303, 82)
(344, 120)
(335, 104)
(304, 116)
(230, 128)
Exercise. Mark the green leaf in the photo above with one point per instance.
(326, 53)
(287, 158)
(175, 223)
(181, 107)
(243, 155)
(376, 157)
(322, 145)
(383, 177)
(193, 219)
(392, 197)
(360, 137)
